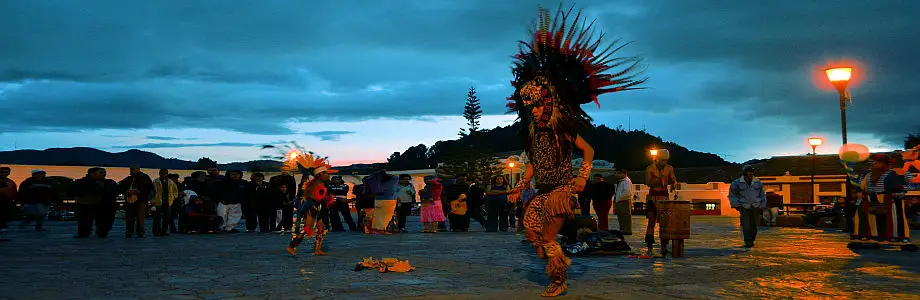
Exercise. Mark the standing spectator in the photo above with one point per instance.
(497, 204)
(265, 201)
(474, 201)
(584, 200)
(8, 211)
(250, 202)
(431, 213)
(177, 208)
(213, 182)
(339, 190)
(456, 190)
(94, 203)
(287, 207)
(36, 195)
(774, 201)
(384, 202)
(165, 191)
(405, 197)
(623, 197)
(232, 194)
(746, 194)
(601, 193)
(137, 189)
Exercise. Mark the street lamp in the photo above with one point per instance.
(653, 153)
(814, 142)
(840, 78)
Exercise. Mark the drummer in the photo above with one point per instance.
(658, 176)
(747, 195)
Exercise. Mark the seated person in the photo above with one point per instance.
(836, 211)
(196, 218)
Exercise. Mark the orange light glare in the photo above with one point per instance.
(653, 152)
(839, 74)
(293, 155)
(511, 165)
(815, 141)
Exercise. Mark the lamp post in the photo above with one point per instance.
(814, 142)
(840, 78)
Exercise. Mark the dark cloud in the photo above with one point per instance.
(173, 145)
(168, 138)
(253, 67)
(329, 135)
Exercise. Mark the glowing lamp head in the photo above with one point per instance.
(839, 74)
(511, 165)
(653, 152)
(815, 141)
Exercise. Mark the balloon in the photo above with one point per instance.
(854, 153)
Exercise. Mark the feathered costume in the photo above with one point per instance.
(315, 195)
(554, 74)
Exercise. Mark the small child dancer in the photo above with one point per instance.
(432, 212)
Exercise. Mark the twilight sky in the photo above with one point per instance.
(357, 80)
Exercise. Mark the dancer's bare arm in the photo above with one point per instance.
(586, 164)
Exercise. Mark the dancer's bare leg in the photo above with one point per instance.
(558, 264)
(318, 236)
(650, 229)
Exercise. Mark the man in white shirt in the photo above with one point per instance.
(623, 198)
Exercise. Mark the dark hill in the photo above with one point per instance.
(627, 149)
(83, 156)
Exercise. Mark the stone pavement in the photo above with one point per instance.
(787, 263)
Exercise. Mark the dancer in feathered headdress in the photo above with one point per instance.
(314, 196)
(554, 74)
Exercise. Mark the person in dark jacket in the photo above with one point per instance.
(36, 195)
(601, 194)
(198, 183)
(232, 195)
(456, 189)
(95, 198)
(264, 201)
(8, 210)
(137, 189)
(475, 200)
(339, 190)
(287, 207)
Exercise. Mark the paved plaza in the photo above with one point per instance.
(787, 263)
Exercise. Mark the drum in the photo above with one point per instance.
(674, 217)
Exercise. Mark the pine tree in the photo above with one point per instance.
(472, 112)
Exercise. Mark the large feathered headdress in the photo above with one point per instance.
(561, 67)
(295, 157)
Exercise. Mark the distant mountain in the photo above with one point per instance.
(82, 156)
